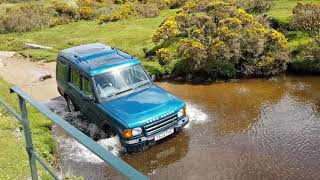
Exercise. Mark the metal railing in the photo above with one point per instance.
(114, 161)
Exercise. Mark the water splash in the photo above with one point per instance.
(70, 148)
(196, 115)
(73, 150)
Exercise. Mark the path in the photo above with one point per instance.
(26, 74)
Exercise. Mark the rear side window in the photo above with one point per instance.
(61, 70)
(75, 78)
(86, 87)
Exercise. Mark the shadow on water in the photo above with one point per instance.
(247, 129)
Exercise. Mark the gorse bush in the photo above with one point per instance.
(217, 39)
(86, 9)
(306, 17)
(131, 10)
(164, 56)
(125, 12)
(65, 10)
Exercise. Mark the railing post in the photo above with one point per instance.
(27, 134)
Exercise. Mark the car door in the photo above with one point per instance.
(91, 108)
(88, 105)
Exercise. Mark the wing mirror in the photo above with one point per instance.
(153, 78)
(88, 98)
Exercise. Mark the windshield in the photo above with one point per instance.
(120, 80)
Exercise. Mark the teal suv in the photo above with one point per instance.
(114, 91)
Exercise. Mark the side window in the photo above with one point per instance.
(86, 87)
(75, 78)
(61, 70)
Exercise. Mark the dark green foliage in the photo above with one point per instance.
(307, 58)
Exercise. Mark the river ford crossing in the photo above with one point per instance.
(246, 129)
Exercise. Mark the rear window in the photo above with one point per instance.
(61, 70)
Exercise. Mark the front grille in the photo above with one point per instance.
(161, 124)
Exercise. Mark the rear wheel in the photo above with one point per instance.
(72, 107)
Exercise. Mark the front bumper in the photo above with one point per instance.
(146, 141)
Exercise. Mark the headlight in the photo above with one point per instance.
(182, 112)
(128, 133)
(136, 131)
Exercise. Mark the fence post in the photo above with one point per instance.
(27, 134)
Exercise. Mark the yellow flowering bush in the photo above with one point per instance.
(218, 39)
(167, 31)
(86, 9)
(164, 56)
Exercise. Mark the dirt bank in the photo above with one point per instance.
(26, 74)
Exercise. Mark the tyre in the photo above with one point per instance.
(72, 107)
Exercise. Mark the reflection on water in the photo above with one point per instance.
(248, 129)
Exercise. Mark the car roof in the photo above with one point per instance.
(97, 58)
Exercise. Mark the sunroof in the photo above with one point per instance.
(105, 60)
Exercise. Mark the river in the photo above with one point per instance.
(246, 129)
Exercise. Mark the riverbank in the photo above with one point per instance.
(14, 162)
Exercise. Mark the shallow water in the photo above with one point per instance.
(248, 129)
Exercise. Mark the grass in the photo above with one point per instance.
(13, 157)
(131, 36)
(283, 9)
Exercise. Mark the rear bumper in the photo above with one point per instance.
(143, 142)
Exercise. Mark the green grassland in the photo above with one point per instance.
(283, 9)
(129, 35)
(13, 157)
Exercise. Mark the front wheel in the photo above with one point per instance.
(71, 105)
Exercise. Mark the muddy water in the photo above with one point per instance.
(248, 129)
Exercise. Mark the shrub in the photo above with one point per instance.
(167, 31)
(65, 10)
(120, 1)
(147, 10)
(126, 11)
(86, 9)
(174, 4)
(217, 39)
(306, 17)
(164, 56)
(256, 6)
(27, 18)
(131, 10)
(307, 58)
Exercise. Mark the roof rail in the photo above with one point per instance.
(79, 60)
(117, 50)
